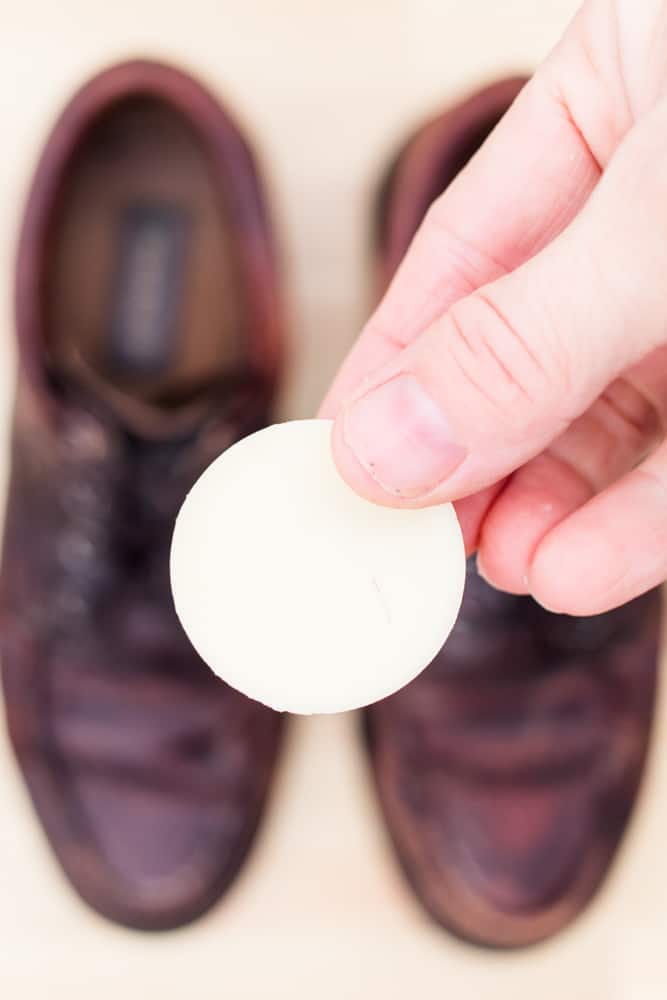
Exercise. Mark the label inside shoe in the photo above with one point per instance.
(148, 288)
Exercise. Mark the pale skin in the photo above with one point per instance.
(517, 365)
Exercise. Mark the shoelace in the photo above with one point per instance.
(88, 482)
(118, 495)
(476, 709)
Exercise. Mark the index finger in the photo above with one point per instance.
(520, 190)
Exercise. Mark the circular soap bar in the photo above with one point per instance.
(298, 592)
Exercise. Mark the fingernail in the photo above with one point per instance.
(398, 433)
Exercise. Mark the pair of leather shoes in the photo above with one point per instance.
(150, 339)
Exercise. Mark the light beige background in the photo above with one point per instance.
(326, 89)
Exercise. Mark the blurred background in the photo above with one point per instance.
(326, 91)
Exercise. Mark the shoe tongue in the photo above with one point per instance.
(80, 384)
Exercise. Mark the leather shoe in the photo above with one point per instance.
(149, 340)
(508, 770)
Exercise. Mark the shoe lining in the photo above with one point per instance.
(141, 277)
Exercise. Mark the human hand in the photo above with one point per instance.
(518, 362)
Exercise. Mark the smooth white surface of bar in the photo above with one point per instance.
(302, 594)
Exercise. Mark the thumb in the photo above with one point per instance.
(504, 371)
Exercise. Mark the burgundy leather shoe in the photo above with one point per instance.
(508, 770)
(149, 340)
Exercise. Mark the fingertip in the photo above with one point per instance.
(365, 477)
(577, 580)
(495, 571)
(471, 512)
(353, 472)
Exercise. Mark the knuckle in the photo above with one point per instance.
(511, 377)
(464, 263)
(631, 414)
(654, 477)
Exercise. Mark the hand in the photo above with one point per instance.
(518, 362)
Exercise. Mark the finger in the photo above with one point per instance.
(504, 372)
(523, 186)
(471, 513)
(611, 550)
(609, 440)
